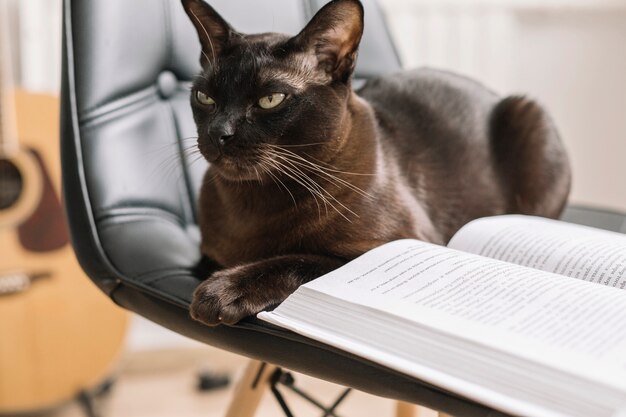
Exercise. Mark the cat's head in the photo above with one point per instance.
(257, 92)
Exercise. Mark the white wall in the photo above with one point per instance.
(36, 43)
(40, 30)
(10, 7)
(576, 64)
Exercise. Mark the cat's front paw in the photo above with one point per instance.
(228, 296)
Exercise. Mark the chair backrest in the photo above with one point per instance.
(130, 190)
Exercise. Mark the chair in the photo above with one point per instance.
(130, 189)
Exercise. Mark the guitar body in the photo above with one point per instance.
(58, 333)
(19, 199)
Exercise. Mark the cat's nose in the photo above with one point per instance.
(222, 135)
(223, 139)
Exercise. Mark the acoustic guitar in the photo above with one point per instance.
(59, 335)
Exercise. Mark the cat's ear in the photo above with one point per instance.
(214, 32)
(333, 37)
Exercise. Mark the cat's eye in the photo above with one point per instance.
(271, 100)
(204, 99)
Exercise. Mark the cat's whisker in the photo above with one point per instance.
(303, 174)
(209, 181)
(196, 159)
(332, 197)
(332, 169)
(320, 169)
(282, 169)
(323, 190)
(169, 173)
(188, 147)
(191, 153)
(296, 146)
(330, 177)
(338, 182)
(169, 164)
(269, 172)
(315, 190)
(318, 190)
(258, 176)
(277, 181)
(167, 146)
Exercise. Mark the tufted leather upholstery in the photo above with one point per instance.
(130, 188)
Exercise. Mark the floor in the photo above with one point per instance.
(163, 384)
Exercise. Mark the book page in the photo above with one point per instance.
(401, 304)
(455, 290)
(575, 251)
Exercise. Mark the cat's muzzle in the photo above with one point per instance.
(211, 151)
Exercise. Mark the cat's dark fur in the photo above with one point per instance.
(296, 191)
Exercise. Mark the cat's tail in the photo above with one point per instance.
(529, 158)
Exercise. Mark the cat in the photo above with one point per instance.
(306, 174)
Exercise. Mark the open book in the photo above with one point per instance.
(523, 314)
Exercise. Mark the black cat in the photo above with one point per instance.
(307, 174)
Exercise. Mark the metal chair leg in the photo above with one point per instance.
(87, 403)
(260, 377)
(285, 379)
(89, 399)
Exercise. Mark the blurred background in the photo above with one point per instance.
(567, 54)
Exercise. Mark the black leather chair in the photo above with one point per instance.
(130, 188)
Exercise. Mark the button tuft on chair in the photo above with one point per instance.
(167, 84)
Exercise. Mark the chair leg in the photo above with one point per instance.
(406, 409)
(256, 380)
(250, 389)
(412, 410)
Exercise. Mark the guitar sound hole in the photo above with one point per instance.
(11, 184)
